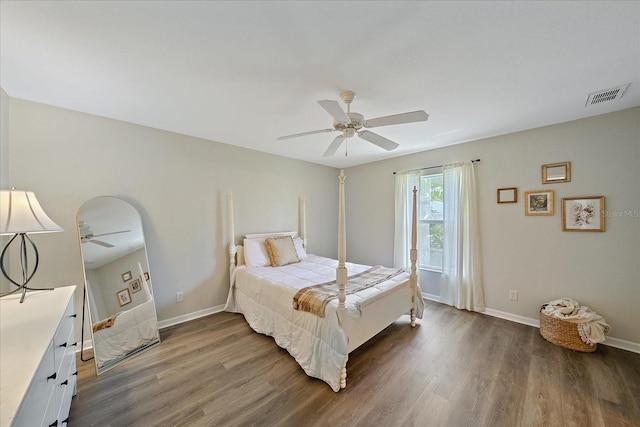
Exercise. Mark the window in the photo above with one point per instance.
(430, 222)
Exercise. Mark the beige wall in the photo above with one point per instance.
(179, 185)
(4, 165)
(532, 254)
(107, 281)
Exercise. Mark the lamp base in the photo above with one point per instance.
(24, 264)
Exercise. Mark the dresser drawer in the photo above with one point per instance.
(66, 381)
(41, 392)
(66, 394)
(64, 337)
(51, 414)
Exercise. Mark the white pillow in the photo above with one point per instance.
(281, 250)
(302, 254)
(255, 253)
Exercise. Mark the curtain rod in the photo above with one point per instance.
(432, 167)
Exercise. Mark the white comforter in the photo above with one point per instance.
(132, 329)
(264, 295)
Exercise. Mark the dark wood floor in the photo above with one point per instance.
(454, 369)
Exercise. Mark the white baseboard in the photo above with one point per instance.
(611, 341)
(86, 345)
(190, 316)
(431, 297)
(512, 317)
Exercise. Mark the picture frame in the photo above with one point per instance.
(124, 297)
(538, 203)
(507, 195)
(556, 172)
(126, 276)
(583, 213)
(146, 276)
(135, 286)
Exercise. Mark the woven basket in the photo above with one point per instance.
(563, 333)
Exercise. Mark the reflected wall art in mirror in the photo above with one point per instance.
(118, 287)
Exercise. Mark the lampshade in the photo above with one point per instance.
(20, 212)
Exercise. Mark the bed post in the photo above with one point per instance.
(232, 237)
(145, 284)
(413, 255)
(303, 222)
(341, 271)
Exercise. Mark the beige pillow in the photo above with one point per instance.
(281, 250)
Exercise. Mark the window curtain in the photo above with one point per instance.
(403, 211)
(461, 284)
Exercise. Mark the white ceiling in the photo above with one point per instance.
(244, 73)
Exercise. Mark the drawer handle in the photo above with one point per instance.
(73, 315)
(64, 344)
(74, 344)
(54, 424)
(65, 382)
(52, 377)
(75, 373)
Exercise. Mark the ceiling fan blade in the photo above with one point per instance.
(378, 140)
(396, 119)
(113, 232)
(295, 135)
(336, 111)
(101, 243)
(333, 147)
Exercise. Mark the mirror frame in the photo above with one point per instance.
(144, 283)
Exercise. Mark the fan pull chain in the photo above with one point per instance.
(346, 146)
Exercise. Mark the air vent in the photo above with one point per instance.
(606, 95)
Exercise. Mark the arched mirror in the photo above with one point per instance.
(118, 288)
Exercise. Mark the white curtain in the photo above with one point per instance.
(405, 182)
(461, 284)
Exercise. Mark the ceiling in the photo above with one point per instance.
(245, 73)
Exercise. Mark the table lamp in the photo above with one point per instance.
(20, 215)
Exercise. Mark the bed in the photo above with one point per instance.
(357, 301)
(125, 332)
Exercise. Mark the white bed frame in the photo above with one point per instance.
(377, 312)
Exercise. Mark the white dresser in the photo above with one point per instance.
(37, 356)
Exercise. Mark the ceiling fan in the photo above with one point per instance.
(87, 236)
(350, 124)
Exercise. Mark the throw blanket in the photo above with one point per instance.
(106, 323)
(591, 326)
(314, 299)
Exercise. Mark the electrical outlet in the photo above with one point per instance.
(513, 295)
(179, 297)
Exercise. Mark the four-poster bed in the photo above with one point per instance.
(354, 307)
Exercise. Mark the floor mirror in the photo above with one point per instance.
(118, 290)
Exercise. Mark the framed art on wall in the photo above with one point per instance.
(583, 213)
(135, 286)
(508, 195)
(126, 276)
(538, 203)
(124, 297)
(556, 172)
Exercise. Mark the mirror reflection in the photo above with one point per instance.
(117, 281)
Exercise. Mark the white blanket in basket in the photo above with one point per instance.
(591, 326)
